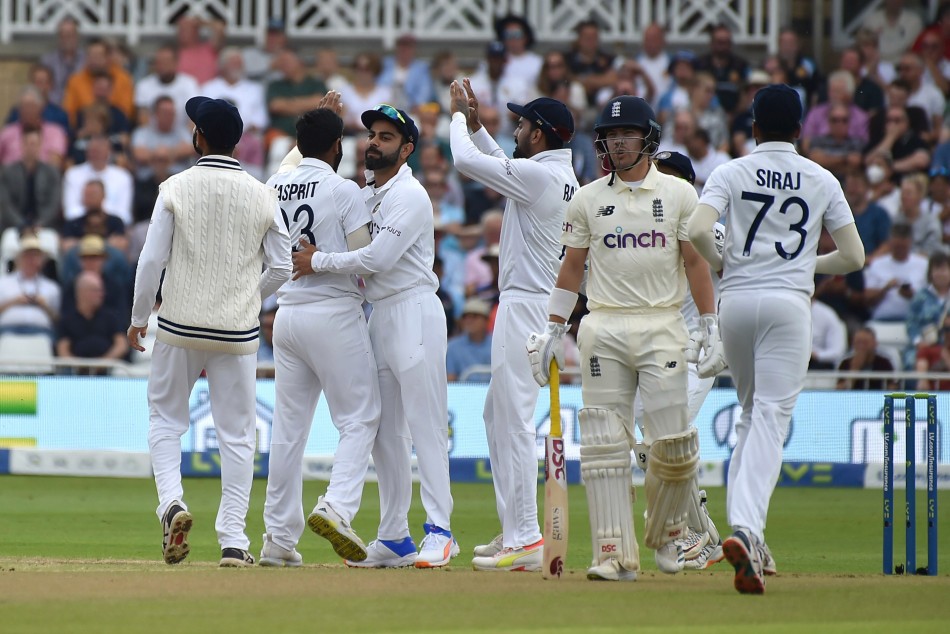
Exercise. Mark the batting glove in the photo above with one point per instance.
(714, 359)
(544, 347)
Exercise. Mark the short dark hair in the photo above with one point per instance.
(901, 230)
(939, 258)
(702, 135)
(317, 131)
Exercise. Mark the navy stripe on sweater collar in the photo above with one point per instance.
(222, 162)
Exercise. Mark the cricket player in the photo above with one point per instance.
(408, 334)
(214, 228)
(538, 183)
(775, 203)
(702, 545)
(632, 226)
(321, 343)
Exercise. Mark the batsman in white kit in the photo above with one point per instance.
(775, 203)
(213, 229)
(321, 344)
(408, 332)
(631, 227)
(538, 184)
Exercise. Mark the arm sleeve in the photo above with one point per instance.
(518, 179)
(849, 256)
(277, 265)
(405, 222)
(703, 237)
(154, 256)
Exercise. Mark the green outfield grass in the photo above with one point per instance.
(83, 555)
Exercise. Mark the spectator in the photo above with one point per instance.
(118, 126)
(868, 94)
(66, 60)
(327, 68)
(682, 70)
(684, 126)
(829, 337)
(838, 152)
(872, 220)
(247, 95)
(936, 67)
(891, 280)
(90, 330)
(940, 26)
(843, 293)
(802, 71)
(709, 116)
(95, 221)
(260, 63)
(493, 90)
(80, 91)
(741, 130)
(473, 347)
(364, 93)
(927, 236)
(896, 26)
(117, 181)
(523, 65)
(29, 189)
(167, 81)
(928, 309)
(704, 156)
(146, 193)
(935, 358)
(94, 255)
(865, 358)
(445, 70)
(198, 56)
(53, 141)
(840, 93)
(293, 94)
(589, 63)
(97, 122)
(554, 73)
(41, 78)
(478, 273)
(940, 199)
(898, 92)
(406, 76)
(29, 302)
(655, 61)
(161, 134)
(728, 69)
(927, 96)
(909, 152)
(880, 172)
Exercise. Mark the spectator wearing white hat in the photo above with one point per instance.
(29, 302)
(473, 347)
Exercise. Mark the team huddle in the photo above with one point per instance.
(647, 253)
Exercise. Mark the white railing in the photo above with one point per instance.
(754, 22)
(843, 27)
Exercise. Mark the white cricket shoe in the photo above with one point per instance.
(524, 559)
(437, 549)
(742, 550)
(387, 553)
(276, 556)
(327, 523)
(707, 557)
(610, 570)
(490, 549)
(768, 561)
(669, 558)
(693, 543)
(176, 524)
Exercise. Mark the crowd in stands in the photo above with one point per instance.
(96, 130)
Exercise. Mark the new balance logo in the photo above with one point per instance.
(670, 364)
(658, 210)
(606, 210)
(594, 367)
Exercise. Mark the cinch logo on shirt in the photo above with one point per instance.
(645, 240)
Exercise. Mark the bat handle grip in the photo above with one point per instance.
(553, 385)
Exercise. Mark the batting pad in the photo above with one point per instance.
(605, 468)
(670, 486)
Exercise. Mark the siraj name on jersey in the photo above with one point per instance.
(778, 180)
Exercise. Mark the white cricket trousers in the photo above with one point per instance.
(320, 347)
(509, 417)
(409, 339)
(232, 384)
(697, 390)
(767, 341)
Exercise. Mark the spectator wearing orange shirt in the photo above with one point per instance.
(79, 89)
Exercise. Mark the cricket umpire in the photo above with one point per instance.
(214, 228)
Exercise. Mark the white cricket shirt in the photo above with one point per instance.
(322, 206)
(402, 252)
(538, 192)
(633, 237)
(776, 202)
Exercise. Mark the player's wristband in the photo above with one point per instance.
(561, 303)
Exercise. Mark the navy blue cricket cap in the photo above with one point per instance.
(679, 163)
(548, 114)
(395, 116)
(777, 108)
(218, 120)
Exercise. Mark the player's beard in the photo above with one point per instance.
(194, 143)
(382, 161)
(338, 159)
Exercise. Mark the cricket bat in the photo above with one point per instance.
(555, 488)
